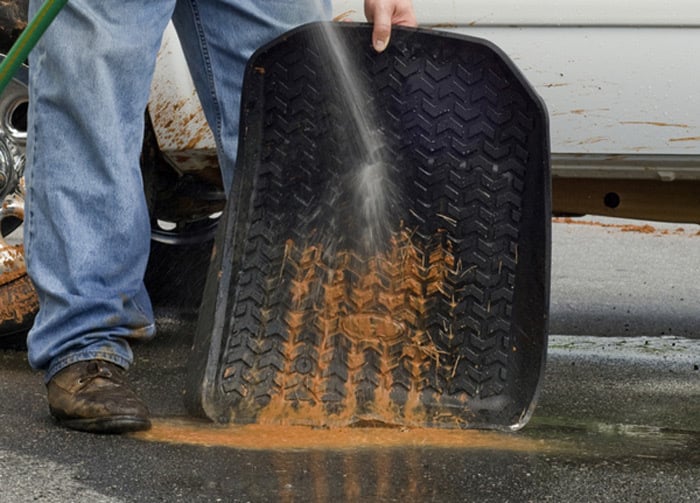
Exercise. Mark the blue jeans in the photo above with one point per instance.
(87, 228)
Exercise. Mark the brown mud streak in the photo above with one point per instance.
(655, 123)
(377, 306)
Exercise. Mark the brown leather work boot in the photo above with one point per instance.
(95, 396)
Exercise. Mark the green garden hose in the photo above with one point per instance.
(28, 39)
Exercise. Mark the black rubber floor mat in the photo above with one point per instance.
(400, 276)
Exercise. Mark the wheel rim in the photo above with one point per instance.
(13, 140)
(14, 102)
(185, 233)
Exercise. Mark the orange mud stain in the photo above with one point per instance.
(581, 111)
(654, 123)
(344, 16)
(294, 438)
(641, 229)
(375, 324)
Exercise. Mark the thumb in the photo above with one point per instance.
(381, 32)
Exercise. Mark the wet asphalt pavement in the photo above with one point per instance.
(618, 417)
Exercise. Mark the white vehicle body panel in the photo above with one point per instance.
(617, 78)
(178, 121)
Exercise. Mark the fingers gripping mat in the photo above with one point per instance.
(384, 256)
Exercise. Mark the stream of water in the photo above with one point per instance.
(371, 186)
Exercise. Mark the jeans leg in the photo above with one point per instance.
(87, 230)
(218, 38)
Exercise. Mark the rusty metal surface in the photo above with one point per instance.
(641, 199)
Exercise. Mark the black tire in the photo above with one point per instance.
(176, 274)
(179, 257)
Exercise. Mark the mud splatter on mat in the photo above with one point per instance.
(389, 338)
(367, 316)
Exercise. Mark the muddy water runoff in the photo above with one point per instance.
(624, 398)
(545, 436)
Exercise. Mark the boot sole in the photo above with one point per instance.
(115, 424)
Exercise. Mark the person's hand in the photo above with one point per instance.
(384, 13)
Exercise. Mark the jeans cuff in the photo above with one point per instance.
(63, 362)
